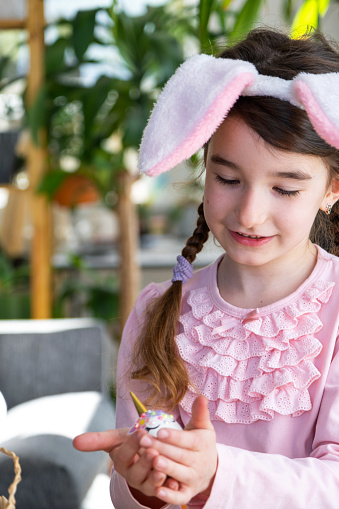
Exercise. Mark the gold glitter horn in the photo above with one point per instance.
(141, 409)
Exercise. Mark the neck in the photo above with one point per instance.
(254, 287)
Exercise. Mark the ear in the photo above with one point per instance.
(192, 105)
(332, 195)
(335, 190)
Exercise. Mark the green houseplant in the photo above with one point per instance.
(83, 119)
(14, 289)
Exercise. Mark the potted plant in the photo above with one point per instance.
(14, 289)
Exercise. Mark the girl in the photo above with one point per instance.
(245, 351)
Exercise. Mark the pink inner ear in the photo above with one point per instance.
(207, 125)
(321, 123)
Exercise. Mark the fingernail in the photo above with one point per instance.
(161, 463)
(145, 441)
(163, 433)
(158, 476)
(150, 456)
(161, 493)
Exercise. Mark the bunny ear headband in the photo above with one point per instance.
(198, 97)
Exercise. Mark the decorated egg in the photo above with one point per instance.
(152, 420)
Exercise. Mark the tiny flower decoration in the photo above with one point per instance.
(152, 420)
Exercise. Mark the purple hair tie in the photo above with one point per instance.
(183, 271)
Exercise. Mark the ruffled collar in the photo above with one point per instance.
(322, 258)
(251, 364)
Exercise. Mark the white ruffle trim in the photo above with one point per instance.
(252, 367)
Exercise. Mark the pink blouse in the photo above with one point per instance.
(271, 376)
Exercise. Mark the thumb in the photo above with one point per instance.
(200, 415)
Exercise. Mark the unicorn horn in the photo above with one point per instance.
(138, 405)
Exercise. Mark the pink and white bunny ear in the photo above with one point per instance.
(191, 106)
(202, 91)
(319, 95)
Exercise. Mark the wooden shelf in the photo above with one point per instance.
(41, 274)
(13, 24)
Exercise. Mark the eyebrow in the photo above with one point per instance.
(294, 174)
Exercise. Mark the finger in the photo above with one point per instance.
(142, 476)
(172, 484)
(125, 455)
(200, 415)
(168, 439)
(158, 478)
(138, 472)
(180, 497)
(172, 469)
(161, 479)
(170, 442)
(100, 441)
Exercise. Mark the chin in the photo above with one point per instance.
(250, 260)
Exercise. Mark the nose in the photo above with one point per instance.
(252, 208)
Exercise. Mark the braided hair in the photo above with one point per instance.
(156, 354)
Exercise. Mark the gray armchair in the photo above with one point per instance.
(55, 376)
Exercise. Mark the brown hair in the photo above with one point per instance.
(283, 126)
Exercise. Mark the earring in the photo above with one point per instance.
(328, 209)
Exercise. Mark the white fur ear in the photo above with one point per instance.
(199, 95)
(319, 94)
(192, 105)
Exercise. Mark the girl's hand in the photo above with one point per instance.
(189, 457)
(130, 459)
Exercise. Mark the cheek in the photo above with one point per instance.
(217, 197)
(298, 215)
(212, 212)
(216, 206)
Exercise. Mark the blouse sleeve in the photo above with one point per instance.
(248, 479)
(125, 411)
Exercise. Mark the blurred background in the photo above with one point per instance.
(80, 232)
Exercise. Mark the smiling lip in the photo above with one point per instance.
(253, 240)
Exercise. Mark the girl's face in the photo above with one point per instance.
(260, 202)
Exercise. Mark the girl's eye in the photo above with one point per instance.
(233, 182)
(226, 182)
(284, 192)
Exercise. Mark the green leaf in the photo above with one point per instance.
(124, 32)
(36, 114)
(308, 16)
(76, 261)
(135, 121)
(83, 31)
(93, 100)
(205, 9)
(286, 10)
(323, 6)
(6, 273)
(165, 49)
(4, 62)
(223, 14)
(225, 4)
(245, 19)
(51, 182)
(103, 302)
(54, 55)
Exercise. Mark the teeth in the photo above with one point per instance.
(250, 236)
